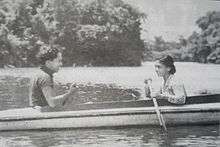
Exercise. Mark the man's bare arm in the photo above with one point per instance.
(55, 100)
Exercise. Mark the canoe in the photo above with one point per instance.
(203, 109)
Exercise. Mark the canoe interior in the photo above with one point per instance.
(201, 99)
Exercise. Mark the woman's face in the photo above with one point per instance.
(161, 69)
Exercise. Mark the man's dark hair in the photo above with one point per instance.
(47, 53)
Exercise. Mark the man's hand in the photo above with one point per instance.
(70, 94)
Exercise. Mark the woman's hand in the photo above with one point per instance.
(148, 81)
(149, 90)
(155, 94)
(73, 89)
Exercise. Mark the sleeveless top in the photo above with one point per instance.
(42, 79)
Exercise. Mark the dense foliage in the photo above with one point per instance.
(203, 46)
(159, 47)
(95, 32)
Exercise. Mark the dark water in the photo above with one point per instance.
(14, 93)
(124, 137)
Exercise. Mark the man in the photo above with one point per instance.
(42, 90)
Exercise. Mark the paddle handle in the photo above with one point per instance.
(159, 115)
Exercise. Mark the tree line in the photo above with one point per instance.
(95, 33)
(92, 33)
(203, 46)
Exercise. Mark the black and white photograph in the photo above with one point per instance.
(109, 73)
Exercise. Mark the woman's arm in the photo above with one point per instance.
(177, 94)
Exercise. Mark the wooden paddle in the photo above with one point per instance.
(159, 115)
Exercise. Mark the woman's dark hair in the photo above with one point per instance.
(168, 62)
(47, 53)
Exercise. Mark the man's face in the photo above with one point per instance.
(56, 63)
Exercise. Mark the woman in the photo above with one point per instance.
(171, 89)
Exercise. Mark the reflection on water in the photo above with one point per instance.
(122, 137)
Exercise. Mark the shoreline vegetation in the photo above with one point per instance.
(202, 47)
(95, 33)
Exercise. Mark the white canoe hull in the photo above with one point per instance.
(31, 119)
